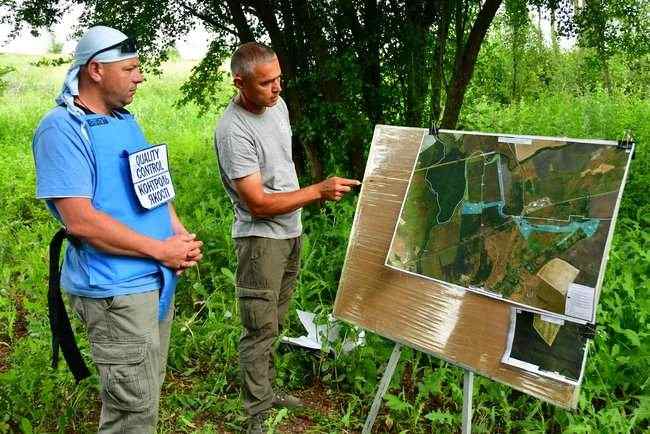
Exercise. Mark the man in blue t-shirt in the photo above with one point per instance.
(129, 245)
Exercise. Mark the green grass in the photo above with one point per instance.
(201, 393)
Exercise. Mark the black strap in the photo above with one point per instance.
(62, 334)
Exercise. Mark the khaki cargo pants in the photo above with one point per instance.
(266, 274)
(129, 346)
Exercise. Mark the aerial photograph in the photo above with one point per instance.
(520, 218)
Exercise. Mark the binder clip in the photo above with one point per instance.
(433, 130)
(626, 143)
(588, 331)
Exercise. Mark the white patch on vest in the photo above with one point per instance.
(150, 175)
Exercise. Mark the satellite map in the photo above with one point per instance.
(520, 218)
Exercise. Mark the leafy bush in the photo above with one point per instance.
(49, 61)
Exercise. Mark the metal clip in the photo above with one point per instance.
(626, 143)
(433, 130)
(588, 331)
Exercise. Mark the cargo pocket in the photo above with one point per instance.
(252, 262)
(255, 308)
(123, 370)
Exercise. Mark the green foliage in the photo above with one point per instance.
(613, 26)
(205, 85)
(346, 65)
(4, 70)
(350, 65)
(52, 61)
(55, 47)
(201, 393)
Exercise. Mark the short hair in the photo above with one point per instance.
(247, 55)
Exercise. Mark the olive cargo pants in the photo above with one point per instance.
(129, 346)
(266, 274)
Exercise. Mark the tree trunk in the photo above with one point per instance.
(415, 36)
(515, 59)
(366, 44)
(372, 70)
(304, 151)
(554, 39)
(285, 47)
(515, 64)
(239, 19)
(540, 34)
(356, 153)
(465, 67)
(438, 67)
(607, 77)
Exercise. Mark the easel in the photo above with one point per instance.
(468, 377)
(468, 383)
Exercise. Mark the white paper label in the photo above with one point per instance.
(516, 140)
(552, 320)
(152, 181)
(580, 301)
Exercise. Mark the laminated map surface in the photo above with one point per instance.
(523, 218)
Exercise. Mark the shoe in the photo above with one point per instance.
(285, 400)
(256, 423)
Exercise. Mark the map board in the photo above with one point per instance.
(462, 327)
(523, 218)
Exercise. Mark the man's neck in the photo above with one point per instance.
(248, 105)
(93, 102)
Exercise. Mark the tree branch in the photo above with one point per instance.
(244, 31)
(465, 64)
(206, 19)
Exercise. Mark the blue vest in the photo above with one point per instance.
(112, 139)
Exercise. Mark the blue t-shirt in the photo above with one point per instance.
(65, 167)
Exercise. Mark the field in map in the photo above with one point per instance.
(523, 219)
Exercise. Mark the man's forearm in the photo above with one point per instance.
(264, 204)
(109, 235)
(282, 203)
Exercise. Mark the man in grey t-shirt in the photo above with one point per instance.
(247, 143)
(253, 144)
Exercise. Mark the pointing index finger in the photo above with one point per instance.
(352, 182)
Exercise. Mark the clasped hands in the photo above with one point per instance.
(180, 252)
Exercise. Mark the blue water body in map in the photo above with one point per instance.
(478, 207)
(588, 227)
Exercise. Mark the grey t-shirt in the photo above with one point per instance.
(247, 143)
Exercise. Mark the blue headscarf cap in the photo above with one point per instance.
(96, 39)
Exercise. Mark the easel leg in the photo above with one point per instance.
(383, 387)
(468, 387)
